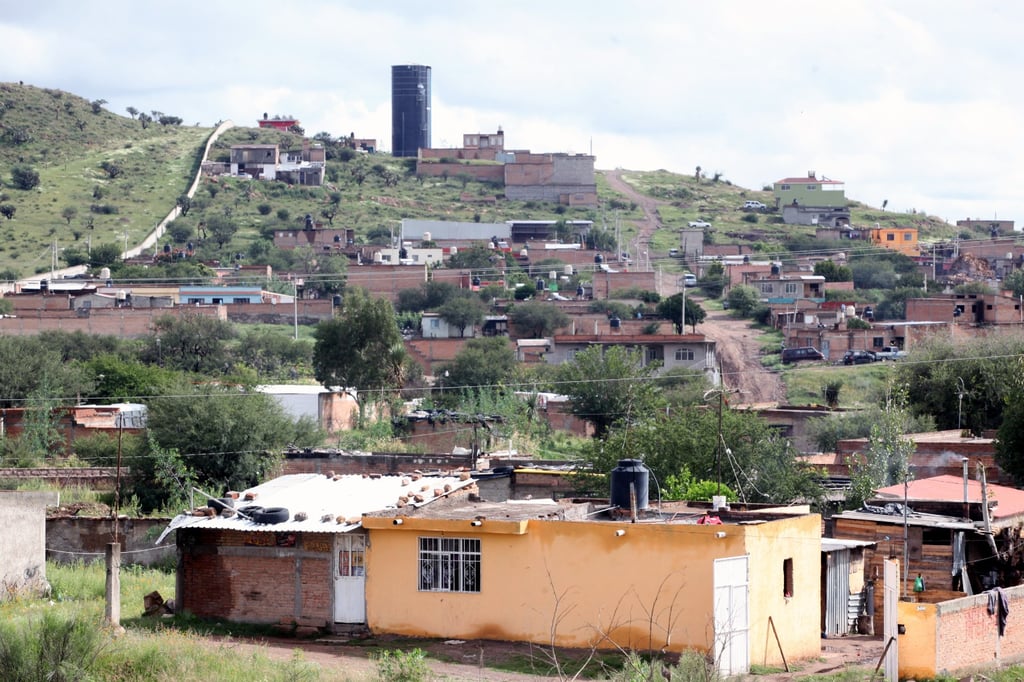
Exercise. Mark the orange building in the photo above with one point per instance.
(902, 239)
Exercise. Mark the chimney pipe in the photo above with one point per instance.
(967, 508)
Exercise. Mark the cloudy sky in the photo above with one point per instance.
(915, 101)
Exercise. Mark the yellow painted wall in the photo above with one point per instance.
(881, 237)
(917, 647)
(580, 583)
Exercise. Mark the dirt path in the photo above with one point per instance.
(736, 343)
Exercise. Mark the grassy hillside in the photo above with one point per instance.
(68, 140)
(58, 135)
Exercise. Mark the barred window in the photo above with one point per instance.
(449, 565)
(684, 354)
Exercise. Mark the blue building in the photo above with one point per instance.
(219, 295)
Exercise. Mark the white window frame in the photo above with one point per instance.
(449, 565)
(682, 353)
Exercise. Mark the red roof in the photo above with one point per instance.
(951, 489)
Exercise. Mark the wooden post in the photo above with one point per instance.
(112, 612)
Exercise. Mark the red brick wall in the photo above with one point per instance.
(255, 577)
(486, 173)
(375, 463)
(123, 322)
(967, 636)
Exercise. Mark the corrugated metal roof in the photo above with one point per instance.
(320, 497)
(947, 488)
(834, 544)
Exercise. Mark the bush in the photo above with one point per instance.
(50, 647)
(264, 209)
(24, 177)
(402, 666)
(749, 217)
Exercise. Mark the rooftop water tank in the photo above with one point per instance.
(629, 481)
(427, 237)
(105, 273)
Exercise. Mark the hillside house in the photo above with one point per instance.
(671, 351)
(277, 122)
(265, 162)
(966, 309)
(900, 239)
(810, 201)
(788, 288)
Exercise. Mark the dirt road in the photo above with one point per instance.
(736, 343)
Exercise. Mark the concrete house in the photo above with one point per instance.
(294, 552)
(671, 578)
(689, 351)
(810, 201)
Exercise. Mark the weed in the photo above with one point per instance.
(402, 666)
(53, 646)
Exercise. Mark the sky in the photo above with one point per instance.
(914, 102)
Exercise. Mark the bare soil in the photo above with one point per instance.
(472, 660)
(738, 350)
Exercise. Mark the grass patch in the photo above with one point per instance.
(861, 384)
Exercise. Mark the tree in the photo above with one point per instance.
(24, 364)
(104, 255)
(133, 112)
(744, 299)
(228, 438)
(713, 281)
(184, 202)
(537, 319)
(742, 451)
(887, 459)
(607, 386)
(97, 105)
(462, 312)
(8, 211)
(24, 177)
(481, 365)
(111, 168)
(475, 257)
(145, 119)
(169, 120)
(670, 309)
(427, 296)
(1015, 282)
(221, 228)
(194, 343)
(361, 348)
(833, 272)
(180, 230)
(68, 213)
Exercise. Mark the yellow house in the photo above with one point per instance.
(745, 588)
(902, 239)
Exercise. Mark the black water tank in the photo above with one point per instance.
(776, 269)
(629, 475)
(615, 323)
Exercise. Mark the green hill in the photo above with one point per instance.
(108, 179)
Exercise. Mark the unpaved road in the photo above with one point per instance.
(736, 343)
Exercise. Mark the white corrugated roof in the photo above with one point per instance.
(318, 496)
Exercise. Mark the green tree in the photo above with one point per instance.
(833, 272)
(607, 386)
(194, 343)
(670, 308)
(221, 228)
(887, 459)
(8, 211)
(462, 312)
(1015, 282)
(744, 299)
(537, 319)
(24, 364)
(104, 255)
(180, 230)
(68, 213)
(482, 364)
(714, 280)
(229, 439)
(476, 257)
(361, 348)
(24, 177)
(1010, 437)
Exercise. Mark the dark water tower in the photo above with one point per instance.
(410, 109)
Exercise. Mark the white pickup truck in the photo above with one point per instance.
(890, 353)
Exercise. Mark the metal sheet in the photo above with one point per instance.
(837, 596)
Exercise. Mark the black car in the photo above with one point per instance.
(858, 357)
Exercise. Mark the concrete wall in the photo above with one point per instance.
(23, 541)
(72, 538)
(372, 463)
(650, 588)
(958, 636)
(256, 577)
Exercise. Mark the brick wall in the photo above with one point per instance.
(256, 577)
(481, 173)
(967, 636)
(372, 463)
(73, 538)
(123, 322)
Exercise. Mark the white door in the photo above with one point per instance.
(350, 579)
(732, 636)
(890, 625)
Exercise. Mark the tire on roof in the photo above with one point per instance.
(271, 515)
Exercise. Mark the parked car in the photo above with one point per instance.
(673, 253)
(801, 353)
(858, 357)
(690, 279)
(753, 206)
(699, 223)
(890, 353)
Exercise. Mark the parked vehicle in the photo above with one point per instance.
(699, 223)
(801, 353)
(890, 353)
(690, 279)
(753, 206)
(858, 357)
(673, 253)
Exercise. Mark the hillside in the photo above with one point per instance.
(104, 178)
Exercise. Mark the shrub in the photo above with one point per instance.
(750, 217)
(24, 177)
(264, 209)
(50, 647)
(402, 666)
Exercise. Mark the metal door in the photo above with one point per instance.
(732, 627)
(890, 627)
(350, 578)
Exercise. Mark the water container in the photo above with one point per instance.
(553, 274)
(427, 237)
(567, 270)
(105, 273)
(629, 478)
(615, 322)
